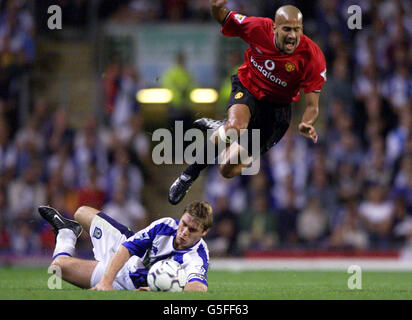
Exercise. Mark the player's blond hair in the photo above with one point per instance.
(202, 211)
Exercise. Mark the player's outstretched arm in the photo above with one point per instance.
(218, 10)
(195, 286)
(116, 263)
(309, 117)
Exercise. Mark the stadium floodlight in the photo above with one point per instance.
(203, 95)
(154, 95)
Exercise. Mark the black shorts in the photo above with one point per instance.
(271, 119)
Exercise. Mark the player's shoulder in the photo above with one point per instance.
(199, 252)
(311, 46)
(202, 249)
(312, 51)
(164, 226)
(166, 220)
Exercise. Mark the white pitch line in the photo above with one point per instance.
(339, 264)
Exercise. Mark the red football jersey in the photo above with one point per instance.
(268, 73)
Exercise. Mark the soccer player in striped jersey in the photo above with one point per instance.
(279, 63)
(122, 257)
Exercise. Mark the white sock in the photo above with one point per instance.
(65, 243)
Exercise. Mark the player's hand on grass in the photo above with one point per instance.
(143, 289)
(101, 286)
(308, 131)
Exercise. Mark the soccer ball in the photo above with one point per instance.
(167, 275)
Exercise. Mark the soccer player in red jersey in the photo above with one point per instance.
(279, 62)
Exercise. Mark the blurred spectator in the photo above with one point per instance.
(24, 239)
(27, 192)
(287, 216)
(258, 226)
(404, 171)
(61, 163)
(4, 222)
(375, 169)
(347, 150)
(402, 222)
(232, 63)
(59, 132)
(92, 193)
(366, 81)
(339, 84)
(222, 238)
(8, 155)
(30, 144)
(125, 103)
(348, 182)
(16, 38)
(405, 191)
(200, 9)
(217, 186)
(135, 11)
(396, 139)
(132, 134)
(4, 237)
(397, 87)
(125, 209)
(180, 81)
(175, 10)
(347, 232)
(111, 87)
(312, 224)
(244, 7)
(89, 148)
(376, 213)
(288, 165)
(122, 169)
(320, 187)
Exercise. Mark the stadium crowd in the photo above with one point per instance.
(352, 190)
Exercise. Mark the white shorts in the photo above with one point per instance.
(107, 235)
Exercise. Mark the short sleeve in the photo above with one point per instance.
(316, 75)
(238, 25)
(141, 241)
(197, 266)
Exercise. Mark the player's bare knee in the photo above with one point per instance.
(235, 124)
(84, 215)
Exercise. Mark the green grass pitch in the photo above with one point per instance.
(31, 283)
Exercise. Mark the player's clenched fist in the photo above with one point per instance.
(218, 3)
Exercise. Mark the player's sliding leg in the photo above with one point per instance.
(234, 159)
(67, 231)
(238, 119)
(74, 270)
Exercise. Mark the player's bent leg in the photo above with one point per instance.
(75, 271)
(238, 117)
(85, 215)
(233, 159)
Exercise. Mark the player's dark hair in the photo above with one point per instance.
(201, 211)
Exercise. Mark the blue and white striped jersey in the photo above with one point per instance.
(155, 243)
